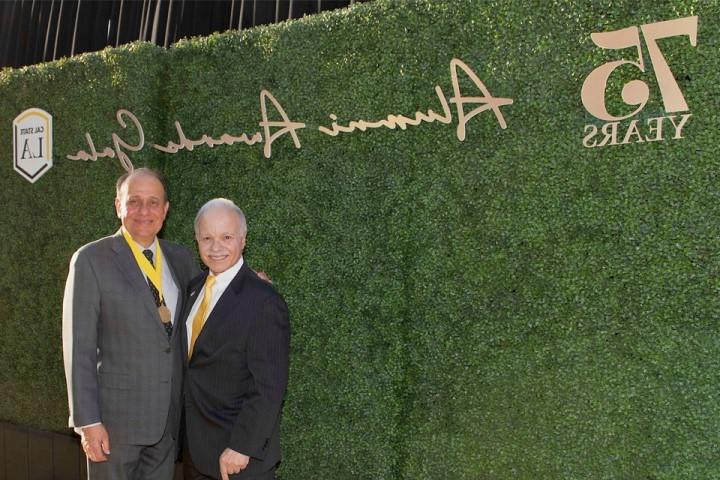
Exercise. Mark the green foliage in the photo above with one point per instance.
(512, 306)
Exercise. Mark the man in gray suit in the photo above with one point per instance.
(121, 338)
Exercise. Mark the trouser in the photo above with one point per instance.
(137, 462)
(191, 473)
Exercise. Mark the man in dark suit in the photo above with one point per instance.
(121, 338)
(237, 342)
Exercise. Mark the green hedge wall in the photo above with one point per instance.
(513, 306)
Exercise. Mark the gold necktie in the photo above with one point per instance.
(202, 312)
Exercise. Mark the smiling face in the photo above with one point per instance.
(141, 206)
(220, 239)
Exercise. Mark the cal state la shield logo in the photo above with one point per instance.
(32, 143)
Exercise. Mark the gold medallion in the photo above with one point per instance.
(165, 315)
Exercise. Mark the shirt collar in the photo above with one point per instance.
(152, 247)
(226, 276)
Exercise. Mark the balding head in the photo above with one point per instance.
(220, 231)
(222, 203)
(141, 204)
(123, 180)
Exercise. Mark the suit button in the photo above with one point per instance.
(168, 350)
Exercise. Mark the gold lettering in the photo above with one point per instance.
(272, 130)
(118, 142)
(636, 92)
(589, 135)
(108, 152)
(679, 127)
(336, 129)
(486, 101)
(657, 128)
(610, 132)
(393, 121)
(93, 155)
(632, 130)
(286, 126)
(185, 143)
(229, 139)
(173, 147)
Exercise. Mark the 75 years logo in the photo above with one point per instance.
(637, 92)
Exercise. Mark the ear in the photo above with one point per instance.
(118, 206)
(165, 210)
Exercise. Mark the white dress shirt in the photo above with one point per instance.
(170, 290)
(222, 281)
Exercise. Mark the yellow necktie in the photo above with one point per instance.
(202, 312)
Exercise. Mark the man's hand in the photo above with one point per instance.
(264, 276)
(96, 443)
(232, 462)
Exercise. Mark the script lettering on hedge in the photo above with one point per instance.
(485, 102)
(274, 129)
(184, 143)
(636, 92)
(118, 144)
(284, 126)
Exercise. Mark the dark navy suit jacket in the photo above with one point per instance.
(236, 379)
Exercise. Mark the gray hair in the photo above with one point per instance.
(222, 203)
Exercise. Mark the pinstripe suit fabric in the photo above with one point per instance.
(236, 379)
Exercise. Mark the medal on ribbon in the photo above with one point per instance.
(152, 272)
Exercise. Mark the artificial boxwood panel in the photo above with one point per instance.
(43, 223)
(514, 305)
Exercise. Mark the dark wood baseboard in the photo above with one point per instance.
(30, 454)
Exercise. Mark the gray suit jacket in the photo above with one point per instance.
(121, 368)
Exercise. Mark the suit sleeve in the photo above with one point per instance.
(81, 314)
(268, 351)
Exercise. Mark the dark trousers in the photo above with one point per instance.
(191, 473)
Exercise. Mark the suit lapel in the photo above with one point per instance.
(169, 261)
(194, 289)
(141, 291)
(225, 304)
